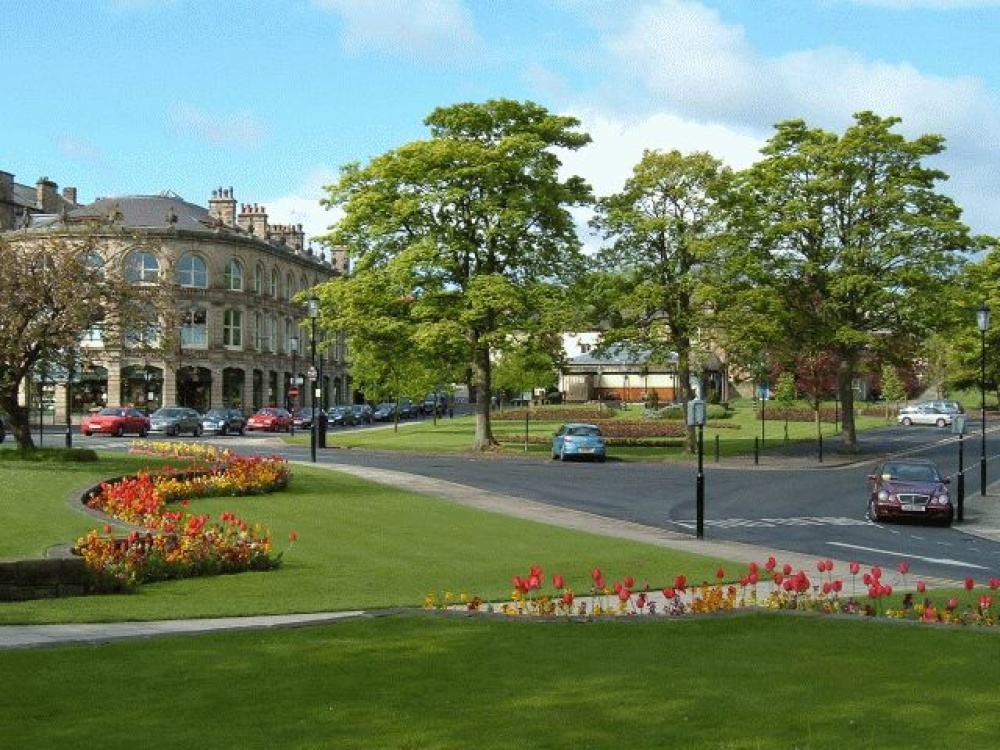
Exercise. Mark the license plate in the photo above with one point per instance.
(911, 507)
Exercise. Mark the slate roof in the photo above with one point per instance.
(146, 211)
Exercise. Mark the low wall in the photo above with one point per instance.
(22, 580)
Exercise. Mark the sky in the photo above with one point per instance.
(272, 97)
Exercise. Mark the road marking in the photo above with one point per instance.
(770, 523)
(937, 560)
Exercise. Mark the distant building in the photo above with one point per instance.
(242, 341)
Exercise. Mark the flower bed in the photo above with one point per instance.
(767, 586)
(173, 543)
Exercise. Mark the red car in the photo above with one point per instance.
(116, 420)
(909, 488)
(271, 419)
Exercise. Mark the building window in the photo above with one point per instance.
(234, 276)
(258, 279)
(141, 267)
(194, 328)
(274, 283)
(232, 329)
(192, 272)
(258, 327)
(272, 333)
(289, 287)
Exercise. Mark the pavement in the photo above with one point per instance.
(981, 518)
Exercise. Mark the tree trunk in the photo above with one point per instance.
(484, 439)
(20, 427)
(845, 380)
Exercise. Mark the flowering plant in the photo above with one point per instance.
(766, 585)
(174, 543)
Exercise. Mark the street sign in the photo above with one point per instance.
(312, 373)
(293, 392)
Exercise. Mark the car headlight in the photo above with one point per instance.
(942, 499)
(883, 496)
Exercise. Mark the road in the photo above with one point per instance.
(809, 508)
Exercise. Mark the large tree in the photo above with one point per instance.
(661, 228)
(844, 242)
(475, 219)
(55, 287)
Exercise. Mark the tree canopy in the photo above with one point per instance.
(473, 222)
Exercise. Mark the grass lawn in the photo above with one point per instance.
(427, 680)
(360, 545)
(739, 682)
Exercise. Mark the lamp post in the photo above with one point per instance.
(313, 315)
(293, 342)
(983, 321)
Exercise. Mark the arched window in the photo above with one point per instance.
(232, 329)
(258, 327)
(192, 271)
(142, 267)
(234, 276)
(289, 286)
(275, 283)
(272, 333)
(92, 260)
(258, 279)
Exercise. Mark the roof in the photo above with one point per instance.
(146, 211)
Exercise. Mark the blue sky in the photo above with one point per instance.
(272, 96)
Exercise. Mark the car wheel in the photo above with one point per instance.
(872, 513)
(906, 421)
(143, 433)
(173, 431)
(197, 431)
(119, 430)
(940, 423)
(88, 433)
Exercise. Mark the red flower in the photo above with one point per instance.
(558, 581)
(969, 584)
(293, 536)
(669, 593)
(876, 572)
(567, 598)
(753, 578)
(855, 568)
(787, 569)
(680, 583)
(952, 604)
(985, 602)
(921, 586)
(753, 567)
(994, 583)
(904, 567)
(624, 594)
(629, 582)
(838, 585)
(596, 575)
(720, 573)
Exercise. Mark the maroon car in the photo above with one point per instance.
(910, 488)
(116, 420)
(270, 419)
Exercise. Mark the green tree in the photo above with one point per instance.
(474, 221)
(55, 287)
(785, 394)
(893, 390)
(844, 241)
(661, 228)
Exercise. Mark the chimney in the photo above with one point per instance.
(222, 206)
(46, 196)
(69, 195)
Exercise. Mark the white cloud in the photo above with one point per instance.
(241, 129)
(74, 147)
(698, 73)
(303, 205)
(427, 30)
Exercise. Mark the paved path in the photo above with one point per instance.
(982, 518)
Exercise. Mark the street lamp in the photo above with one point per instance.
(983, 321)
(293, 342)
(313, 315)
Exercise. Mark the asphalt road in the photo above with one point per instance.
(798, 505)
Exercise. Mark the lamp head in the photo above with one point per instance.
(983, 317)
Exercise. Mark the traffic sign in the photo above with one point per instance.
(293, 392)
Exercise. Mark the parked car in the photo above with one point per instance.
(577, 440)
(909, 488)
(384, 412)
(270, 419)
(363, 414)
(948, 407)
(434, 403)
(224, 421)
(303, 417)
(922, 414)
(116, 420)
(407, 409)
(340, 416)
(175, 420)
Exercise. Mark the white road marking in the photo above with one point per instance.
(770, 523)
(937, 560)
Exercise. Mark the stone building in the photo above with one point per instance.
(242, 341)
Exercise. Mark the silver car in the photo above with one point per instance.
(175, 420)
(923, 414)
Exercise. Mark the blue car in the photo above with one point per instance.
(577, 440)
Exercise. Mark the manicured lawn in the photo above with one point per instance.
(360, 545)
(740, 682)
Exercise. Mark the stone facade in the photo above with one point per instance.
(243, 339)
